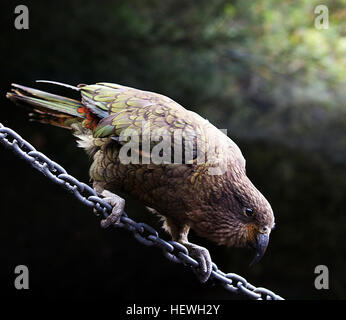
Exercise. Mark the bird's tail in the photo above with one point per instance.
(49, 108)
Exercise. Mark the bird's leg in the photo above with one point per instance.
(179, 234)
(202, 255)
(115, 201)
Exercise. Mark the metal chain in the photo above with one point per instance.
(144, 233)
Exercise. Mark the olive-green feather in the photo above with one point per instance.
(129, 108)
(44, 101)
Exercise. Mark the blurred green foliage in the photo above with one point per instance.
(262, 62)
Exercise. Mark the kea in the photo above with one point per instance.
(175, 162)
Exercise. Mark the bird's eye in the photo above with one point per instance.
(249, 212)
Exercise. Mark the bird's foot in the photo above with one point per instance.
(202, 256)
(118, 205)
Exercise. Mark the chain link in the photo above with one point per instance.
(144, 233)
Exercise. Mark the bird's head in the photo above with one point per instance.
(239, 217)
(252, 218)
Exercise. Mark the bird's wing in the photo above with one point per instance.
(126, 108)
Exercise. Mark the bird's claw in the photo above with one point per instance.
(118, 205)
(202, 256)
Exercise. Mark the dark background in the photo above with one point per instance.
(258, 68)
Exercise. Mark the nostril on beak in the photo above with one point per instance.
(264, 230)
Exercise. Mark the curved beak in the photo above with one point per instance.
(260, 247)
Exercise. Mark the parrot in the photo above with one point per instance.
(175, 162)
